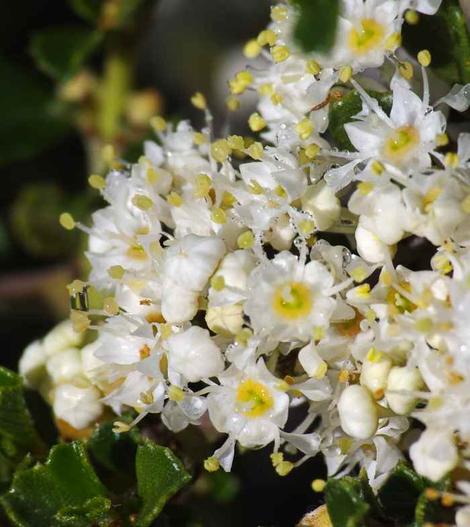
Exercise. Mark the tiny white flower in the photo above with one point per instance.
(194, 355)
(80, 407)
(435, 453)
(32, 364)
(287, 298)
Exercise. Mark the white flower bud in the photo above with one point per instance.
(32, 365)
(64, 366)
(312, 363)
(374, 374)
(434, 454)
(321, 202)
(79, 407)
(236, 267)
(281, 234)
(90, 363)
(61, 337)
(404, 378)
(370, 247)
(358, 412)
(462, 518)
(225, 320)
(194, 354)
(179, 304)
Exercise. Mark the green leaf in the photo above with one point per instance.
(17, 433)
(345, 502)
(92, 11)
(115, 452)
(316, 26)
(399, 494)
(342, 111)
(160, 474)
(89, 10)
(63, 491)
(447, 37)
(432, 512)
(94, 511)
(61, 51)
(31, 120)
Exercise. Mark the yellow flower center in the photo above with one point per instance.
(366, 37)
(430, 197)
(292, 300)
(401, 142)
(137, 252)
(254, 398)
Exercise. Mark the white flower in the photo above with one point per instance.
(194, 355)
(249, 405)
(187, 267)
(435, 453)
(321, 202)
(404, 140)
(287, 298)
(364, 33)
(408, 380)
(78, 406)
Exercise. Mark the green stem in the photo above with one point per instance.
(113, 94)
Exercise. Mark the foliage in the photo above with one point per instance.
(403, 500)
(67, 489)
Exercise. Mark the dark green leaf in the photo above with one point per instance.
(432, 512)
(399, 494)
(64, 488)
(316, 25)
(94, 511)
(31, 119)
(60, 52)
(115, 452)
(345, 502)
(17, 433)
(160, 474)
(446, 36)
(342, 112)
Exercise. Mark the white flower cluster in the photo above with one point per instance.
(223, 295)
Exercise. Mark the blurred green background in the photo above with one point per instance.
(76, 76)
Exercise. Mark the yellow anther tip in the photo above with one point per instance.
(67, 221)
(424, 58)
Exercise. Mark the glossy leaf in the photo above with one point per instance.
(345, 502)
(17, 432)
(447, 37)
(160, 474)
(63, 491)
(400, 492)
(316, 26)
(344, 109)
(60, 52)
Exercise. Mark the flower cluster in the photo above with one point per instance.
(227, 295)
